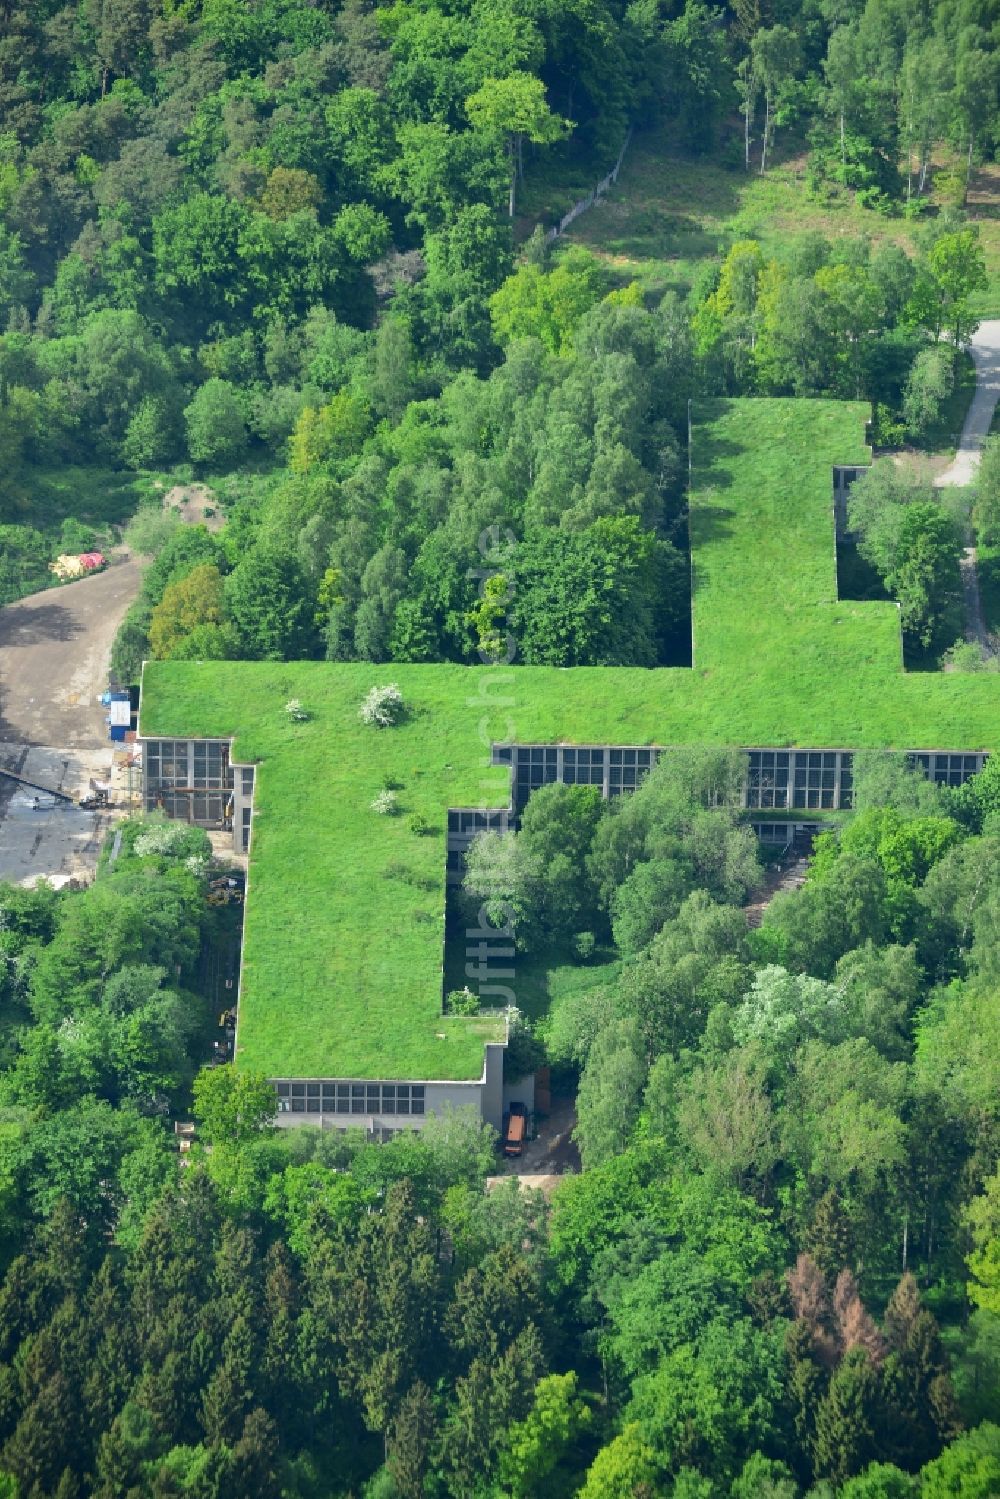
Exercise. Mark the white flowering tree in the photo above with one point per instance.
(383, 706)
(386, 804)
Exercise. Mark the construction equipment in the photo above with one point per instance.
(99, 796)
(226, 897)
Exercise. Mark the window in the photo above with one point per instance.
(767, 778)
(773, 834)
(815, 781)
(584, 767)
(536, 766)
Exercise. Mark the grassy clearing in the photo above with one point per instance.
(983, 205)
(345, 923)
(96, 496)
(669, 214)
(541, 981)
(538, 979)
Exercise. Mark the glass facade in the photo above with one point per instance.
(190, 779)
(627, 767)
(793, 780)
(534, 765)
(615, 770)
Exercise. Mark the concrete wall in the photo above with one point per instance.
(492, 1086)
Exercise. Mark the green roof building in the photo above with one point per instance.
(341, 988)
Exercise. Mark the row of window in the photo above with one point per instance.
(350, 1098)
(949, 770)
(203, 808)
(466, 820)
(576, 756)
(815, 780)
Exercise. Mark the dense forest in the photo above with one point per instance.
(776, 1275)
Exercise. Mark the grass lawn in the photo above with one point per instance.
(541, 980)
(537, 978)
(343, 951)
(983, 206)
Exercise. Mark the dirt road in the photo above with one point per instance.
(54, 650)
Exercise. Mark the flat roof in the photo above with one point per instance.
(344, 927)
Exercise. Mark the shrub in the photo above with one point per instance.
(525, 1053)
(171, 840)
(969, 655)
(887, 431)
(386, 804)
(584, 944)
(149, 530)
(420, 825)
(461, 1002)
(383, 706)
(295, 711)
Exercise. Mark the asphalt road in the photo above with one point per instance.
(985, 350)
(54, 651)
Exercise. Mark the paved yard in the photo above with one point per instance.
(41, 835)
(54, 649)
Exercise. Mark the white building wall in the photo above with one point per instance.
(440, 1096)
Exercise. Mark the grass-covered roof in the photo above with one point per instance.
(345, 917)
